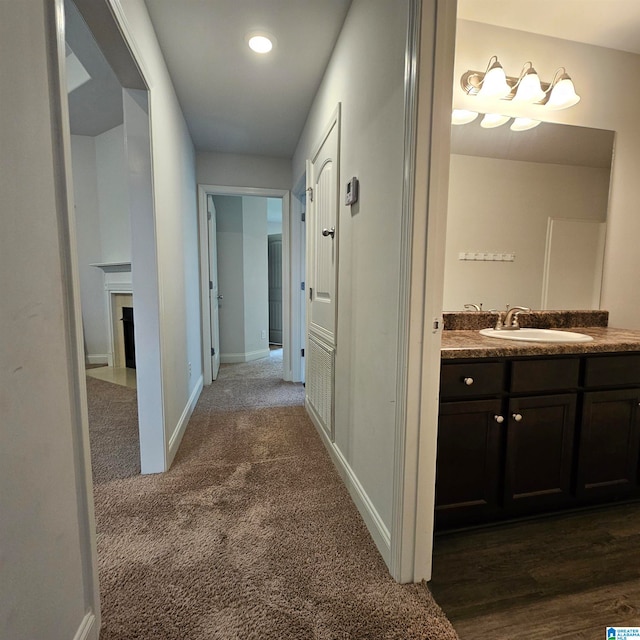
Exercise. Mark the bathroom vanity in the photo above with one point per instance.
(528, 428)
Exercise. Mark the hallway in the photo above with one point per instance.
(251, 534)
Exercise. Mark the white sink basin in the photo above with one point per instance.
(537, 335)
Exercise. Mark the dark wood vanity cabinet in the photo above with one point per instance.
(470, 442)
(541, 416)
(469, 460)
(609, 435)
(608, 444)
(539, 451)
(524, 436)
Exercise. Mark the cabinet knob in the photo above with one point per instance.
(517, 417)
(499, 419)
(468, 381)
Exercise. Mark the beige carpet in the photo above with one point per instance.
(250, 535)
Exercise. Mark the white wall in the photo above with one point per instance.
(176, 229)
(113, 196)
(608, 102)
(242, 277)
(256, 276)
(368, 79)
(237, 170)
(47, 584)
(503, 206)
(230, 275)
(87, 213)
(103, 225)
(111, 168)
(274, 216)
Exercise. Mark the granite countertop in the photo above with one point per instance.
(470, 344)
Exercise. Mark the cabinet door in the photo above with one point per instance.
(539, 452)
(608, 453)
(469, 461)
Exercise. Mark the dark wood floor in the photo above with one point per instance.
(567, 576)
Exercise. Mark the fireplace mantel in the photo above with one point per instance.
(113, 267)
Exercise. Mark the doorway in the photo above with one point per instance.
(114, 215)
(230, 229)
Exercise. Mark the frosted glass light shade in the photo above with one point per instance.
(492, 120)
(463, 116)
(523, 124)
(563, 94)
(494, 84)
(529, 89)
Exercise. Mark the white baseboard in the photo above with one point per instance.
(98, 358)
(248, 356)
(378, 530)
(88, 629)
(178, 432)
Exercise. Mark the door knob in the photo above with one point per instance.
(329, 232)
(468, 381)
(517, 417)
(499, 419)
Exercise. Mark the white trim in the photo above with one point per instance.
(402, 525)
(375, 525)
(178, 432)
(87, 629)
(127, 32)
(435, 87)
(111, 289)
(65, 213)
(246, 356)
(151, 405)
(290, 295)
(98, 358)
(205, 326)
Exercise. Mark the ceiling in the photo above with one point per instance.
(96, 105)
(234, 100)
(237, 102)
(605, 23)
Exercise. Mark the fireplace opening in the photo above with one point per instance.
(129, 340)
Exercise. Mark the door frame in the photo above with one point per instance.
(212, 273)
(290, 316)
(429, 72)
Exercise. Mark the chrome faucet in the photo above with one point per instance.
(510, 322)
(473, 307)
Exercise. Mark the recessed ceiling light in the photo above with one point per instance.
(260, 43)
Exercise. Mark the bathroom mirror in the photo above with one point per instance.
(526, 219)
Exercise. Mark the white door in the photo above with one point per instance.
(322, 246)
(274, 257)
(214, 295)
(573, 264)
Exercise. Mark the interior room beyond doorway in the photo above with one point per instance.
(249, 266)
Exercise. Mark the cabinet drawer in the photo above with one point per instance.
(544, 375)
(612, 371)
(472, 379)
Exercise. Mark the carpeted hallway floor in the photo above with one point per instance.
(250, 535)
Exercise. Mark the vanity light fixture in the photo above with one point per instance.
(492, 120)
(494, 81)
(463, 116)
(562, 92)
(527, 88)
(523, 124)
